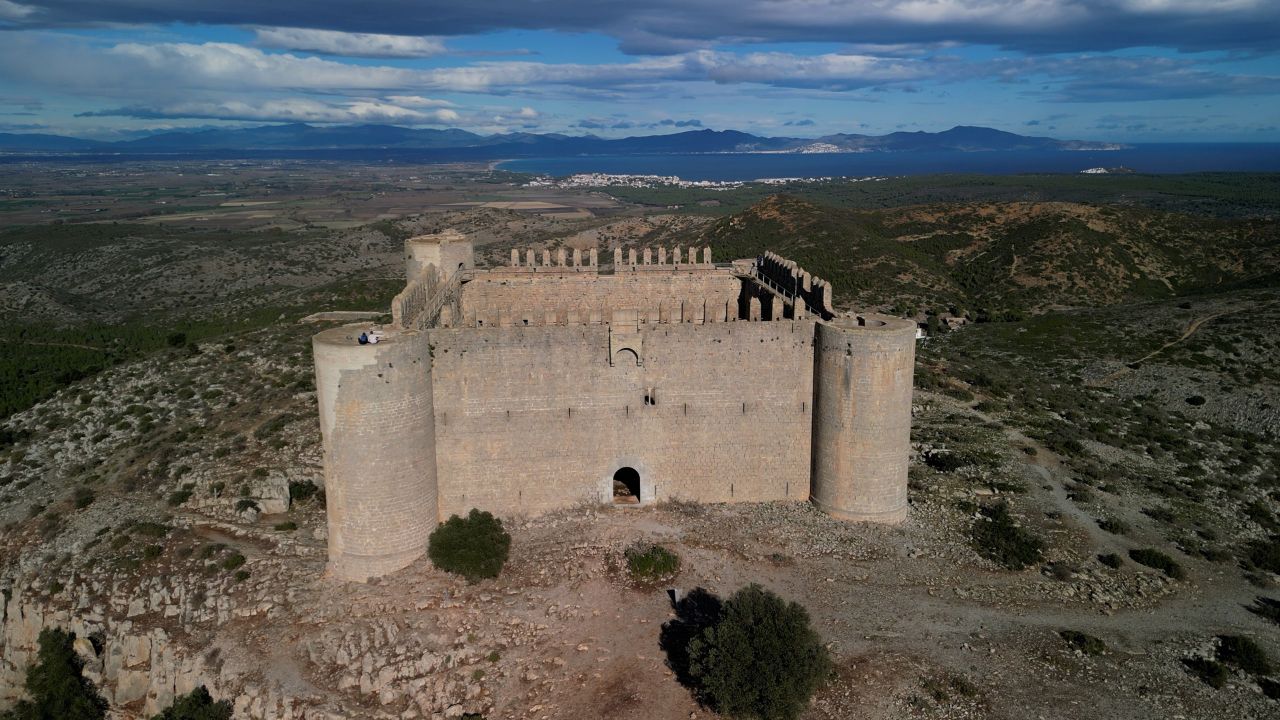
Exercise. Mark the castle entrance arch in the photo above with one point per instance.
(626, 486)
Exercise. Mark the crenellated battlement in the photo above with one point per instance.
(699, 311)
(533, 260)
(789, 279)
(647, 258)
(561, 260)
(553, 380)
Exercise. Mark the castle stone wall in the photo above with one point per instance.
(524, 389)
(377, 428)
(448, 251)
(529, 296)
(862, 416)
(531, 419)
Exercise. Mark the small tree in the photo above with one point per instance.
(998, 538)
(56, 688)
(761, 660)
(196, 705)
(475, 547)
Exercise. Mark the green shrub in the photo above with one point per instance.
(1269, 687)
(651, 563)
(177, 497)
(1266, 607)
(208, 551)
(1111, 560)
(997, 538)
(1153, 558)
(151, 552)
(945, 461)
(1211, 672)
(272, 426)
(82, 498)
(286, 526)
(196, 705)
(1258, 512)
(475, 547)
(1265, 554)
(241, 575)
(1244, 653)
(1085, 643)
(301, 491)
(150, 529)
(1115, 526)
(761, 660)
(56, 688)
(231, 562)
(244, 504)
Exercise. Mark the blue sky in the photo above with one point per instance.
(1125, 70)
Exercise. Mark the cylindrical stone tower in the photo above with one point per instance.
(862, 375)
(378, 427)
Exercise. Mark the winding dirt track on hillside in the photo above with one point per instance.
(54, 344)
(1191, 329)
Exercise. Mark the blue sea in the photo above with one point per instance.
(1163, 158)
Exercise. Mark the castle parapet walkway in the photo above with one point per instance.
(419, 305)
(788, 295)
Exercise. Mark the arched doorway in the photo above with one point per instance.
(626, 487)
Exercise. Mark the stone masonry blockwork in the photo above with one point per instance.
(538, 382)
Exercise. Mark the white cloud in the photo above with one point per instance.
(331, 42)
(227, 65)
(680, 26)
(418, 101)
(149, 69)
(292, 110)
(231, 81)
(1007, 13)
(14, 11)
(834, 71)
(1189, 6)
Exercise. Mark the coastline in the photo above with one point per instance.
(1158, 159)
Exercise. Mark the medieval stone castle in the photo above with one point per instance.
(557, 381)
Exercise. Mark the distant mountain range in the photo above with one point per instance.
(460, 144)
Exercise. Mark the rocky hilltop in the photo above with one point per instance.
(1093, 482)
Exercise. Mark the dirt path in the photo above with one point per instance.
(1191, 329)
(1048, 468)
(53, 344)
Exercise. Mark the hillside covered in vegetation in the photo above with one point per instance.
(1004, 259)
